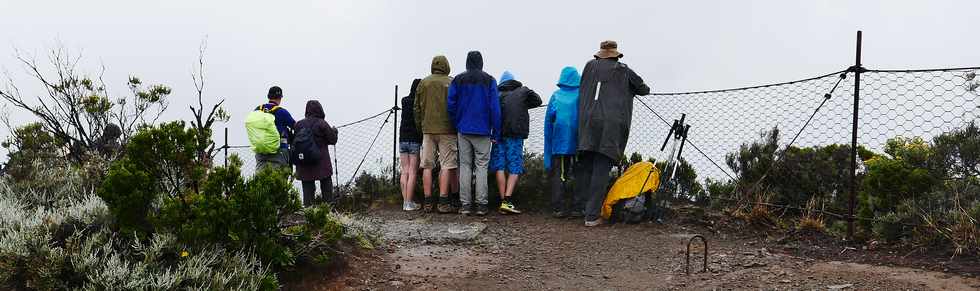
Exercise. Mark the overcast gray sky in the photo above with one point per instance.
(349, 54)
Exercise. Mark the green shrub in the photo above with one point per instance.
(160, 163)
(888, 227)
(235, 212)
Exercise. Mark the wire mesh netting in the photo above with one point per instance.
(922, 103)
(362, 146)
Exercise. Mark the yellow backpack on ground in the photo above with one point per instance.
(262, 133)
(628, 185)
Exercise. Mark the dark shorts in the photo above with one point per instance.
(408, 147)
(508, 155)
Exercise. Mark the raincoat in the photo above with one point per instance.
(515, 100)
(473, 101)
(561, 119)
(430, 100)
(324, 135)
(605, 106)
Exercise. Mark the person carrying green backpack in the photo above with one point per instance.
(270, 129)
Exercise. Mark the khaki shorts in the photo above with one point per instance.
(445, 146)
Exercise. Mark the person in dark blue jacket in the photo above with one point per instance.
(561, 142)
(284, 124)
(507, 155)
(474, 109)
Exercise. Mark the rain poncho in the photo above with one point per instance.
(561, 119)
(605, 106)
(628, 185)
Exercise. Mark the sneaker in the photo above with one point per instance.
(507, 207)
(410, 206)
(596, 222)
(481, 209)
(559, 214)
(576, 214)
(465, 210)
(428, 205)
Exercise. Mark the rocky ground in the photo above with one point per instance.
(536, 252)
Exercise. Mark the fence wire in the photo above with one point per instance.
(922, 103)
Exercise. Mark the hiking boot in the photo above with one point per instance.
(559, 214)
(465, 209)
(507, 207)
(481, 209)
(428, 205)
(596, 222)
(576, 214)
(454, 200)
(445, 206)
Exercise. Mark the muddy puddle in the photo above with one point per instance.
(439, 261)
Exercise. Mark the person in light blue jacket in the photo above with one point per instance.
(561, 142)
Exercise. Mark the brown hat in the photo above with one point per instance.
(608, 50)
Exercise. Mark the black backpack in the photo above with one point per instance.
(305, 150)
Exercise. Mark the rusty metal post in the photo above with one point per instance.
(687, 266)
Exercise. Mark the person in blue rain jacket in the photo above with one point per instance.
(561, 142)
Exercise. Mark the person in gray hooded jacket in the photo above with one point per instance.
(605, 110)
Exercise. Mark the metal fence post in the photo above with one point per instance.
(857, 69)
(226, 147)
(394, 142)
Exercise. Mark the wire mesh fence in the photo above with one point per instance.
(813, 112)
(922, 103)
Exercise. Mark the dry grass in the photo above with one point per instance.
(811, 220)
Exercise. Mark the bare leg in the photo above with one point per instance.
(444, 177)
(403, 160)
(502, 184)
(413, 170)
(427, 182)
(511, 183)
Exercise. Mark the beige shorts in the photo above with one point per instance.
(442, 144)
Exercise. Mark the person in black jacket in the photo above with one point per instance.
(605, 111)
(507, 154)
(409, 146)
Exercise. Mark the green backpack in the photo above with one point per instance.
(262, 132)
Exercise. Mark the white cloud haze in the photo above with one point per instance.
(349, 54)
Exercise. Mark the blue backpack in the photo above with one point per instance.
(305, 150)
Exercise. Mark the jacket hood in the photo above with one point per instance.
(569, 78)
(415, 87)
(314, 109)
(440, 65)
(506, 76)
(474, 61)
(509, 85)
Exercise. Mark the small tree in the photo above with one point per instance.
(204, 121)
(77, 108)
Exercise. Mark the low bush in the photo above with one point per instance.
(70, 247)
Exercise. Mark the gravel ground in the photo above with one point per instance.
(536, 252)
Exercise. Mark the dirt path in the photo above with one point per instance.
(536, 252)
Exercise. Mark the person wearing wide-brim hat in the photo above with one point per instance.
(608, 50)
(605, 110)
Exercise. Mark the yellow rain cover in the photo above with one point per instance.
(628, 185)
